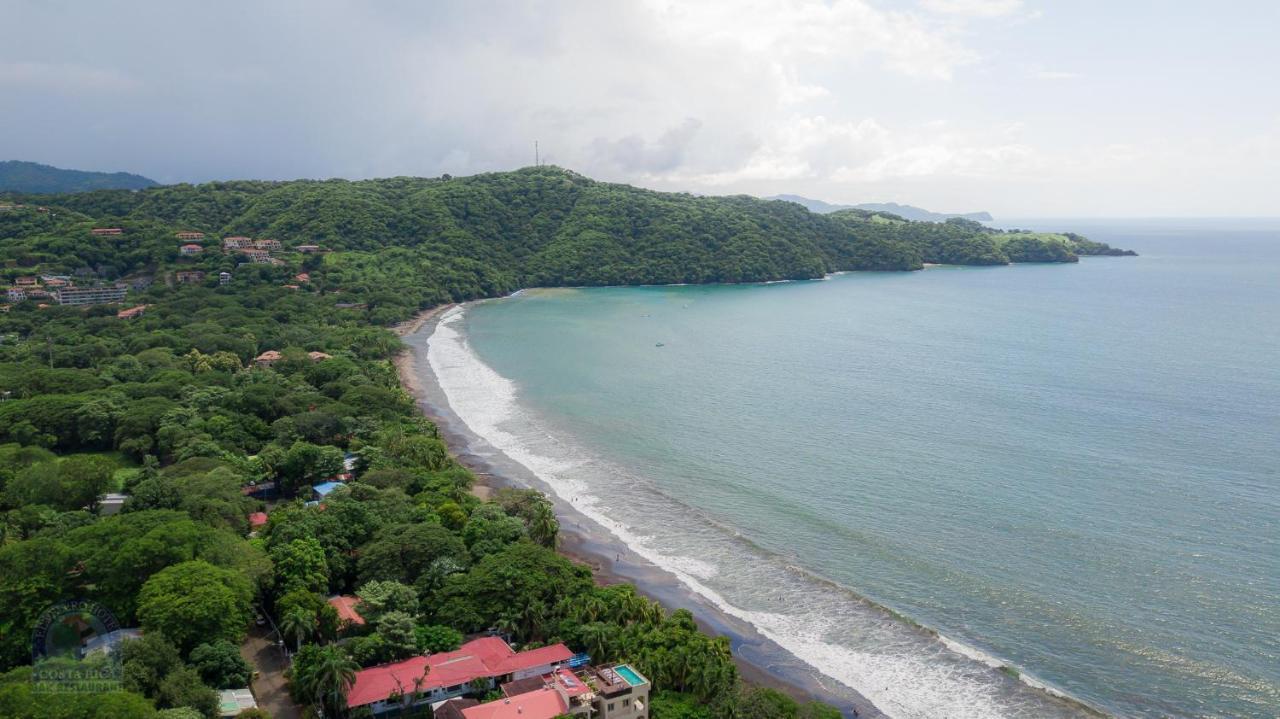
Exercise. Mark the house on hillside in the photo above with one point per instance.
(191, 249)
(268, 245)
(257, 256)
(100, 295)
(484, 662)
(268, 358)
(111, 503)
(236, 243)
(16, 294)
(26, 282)
(132, 313)
(190, 236)
(307, 249)
(189, 277)
(224, 278)
(104, 231)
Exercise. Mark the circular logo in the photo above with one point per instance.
(75, 647)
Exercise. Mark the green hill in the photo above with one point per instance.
(17, 176)
(405, 242)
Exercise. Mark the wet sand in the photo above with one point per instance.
(760, 660)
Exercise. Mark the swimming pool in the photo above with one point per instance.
(632, 676)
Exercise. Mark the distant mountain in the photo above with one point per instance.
(18, 176)
(906, 212)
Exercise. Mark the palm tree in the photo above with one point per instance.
(543, 526)
(299, 624)
(331, 676)
(596, 637)
(591, 607)
(533, 619)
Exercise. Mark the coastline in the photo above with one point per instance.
(760, 661)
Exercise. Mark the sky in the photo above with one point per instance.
(1024, 108)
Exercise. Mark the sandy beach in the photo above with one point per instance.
(760, 660)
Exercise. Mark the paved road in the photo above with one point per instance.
(269, 687)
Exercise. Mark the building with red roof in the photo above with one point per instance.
(257, 519)
(544, 703)
(488, 660)
(345, 605)
(132, 313)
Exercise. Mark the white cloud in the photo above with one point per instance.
(973, 8)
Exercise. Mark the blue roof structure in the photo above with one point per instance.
(324, 489)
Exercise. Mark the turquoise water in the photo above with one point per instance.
(629, 674)
(1069, 469)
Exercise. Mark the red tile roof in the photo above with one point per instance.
(346, 606)
(482, 658)
(544, 703)
(257, 519)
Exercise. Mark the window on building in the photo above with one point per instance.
(610, 706)
(625, 702)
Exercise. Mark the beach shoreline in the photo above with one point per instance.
(760, 661)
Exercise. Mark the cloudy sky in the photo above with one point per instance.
(1021, 107)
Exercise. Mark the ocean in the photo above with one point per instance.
(910, 480)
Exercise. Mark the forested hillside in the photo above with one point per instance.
(17, 176)
(404, 243)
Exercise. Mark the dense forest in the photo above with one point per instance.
(401, 244)
(170, 407)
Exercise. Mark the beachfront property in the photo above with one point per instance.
(190, 236)
(614, 692)
(191, 249)
(479, 665)
(104, 231)
(189, 277)
(101, 295)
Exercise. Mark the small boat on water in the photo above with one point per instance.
(659, 345)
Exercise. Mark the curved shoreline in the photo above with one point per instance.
(760, 660)
(764, 659)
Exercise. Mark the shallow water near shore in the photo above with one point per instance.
(1067, 469)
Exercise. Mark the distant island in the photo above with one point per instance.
(18, 176)
(906, 212)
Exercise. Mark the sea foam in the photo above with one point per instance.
(907, 672)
